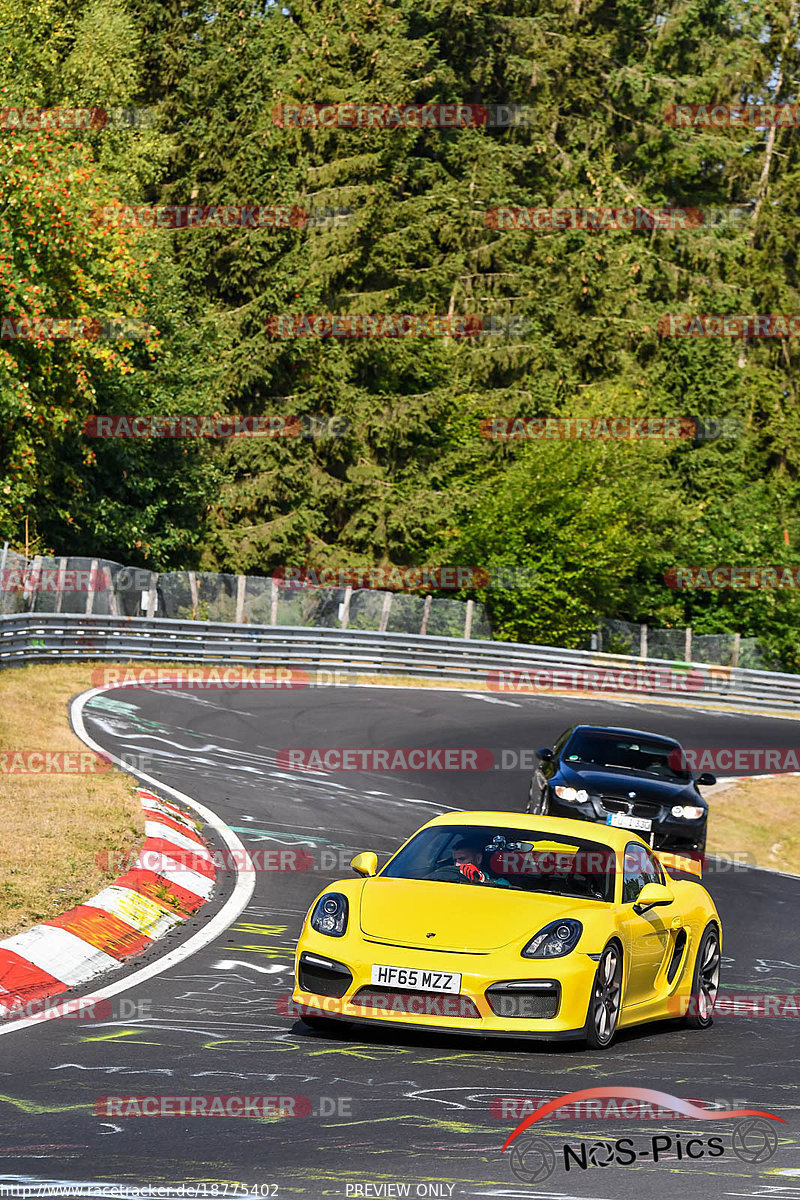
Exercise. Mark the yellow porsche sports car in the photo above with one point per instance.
(500, 923)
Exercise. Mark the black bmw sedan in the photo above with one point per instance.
(623, 777)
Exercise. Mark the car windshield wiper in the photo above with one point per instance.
(576, 896)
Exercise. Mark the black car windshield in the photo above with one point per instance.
(615, 751)
(520, 859)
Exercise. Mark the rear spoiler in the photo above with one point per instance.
(689, 864)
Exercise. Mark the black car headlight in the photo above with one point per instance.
(330, 914)
(689, 812)
(571, 795)
(555, 940)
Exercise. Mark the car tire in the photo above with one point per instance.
(605, 1002)
(705, 980)
(537, 808)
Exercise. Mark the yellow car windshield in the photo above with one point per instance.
(508, 858)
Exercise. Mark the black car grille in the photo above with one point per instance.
(524, 1004)
(636, 808)
(418, 1004)
(323, 980)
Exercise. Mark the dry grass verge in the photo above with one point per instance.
(760, 817)
(53, 825)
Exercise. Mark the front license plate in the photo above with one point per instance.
(416, 979)
(623, 821)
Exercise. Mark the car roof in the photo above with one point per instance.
(606, 835)
(639, 733)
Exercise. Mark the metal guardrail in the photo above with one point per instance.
(507, 666)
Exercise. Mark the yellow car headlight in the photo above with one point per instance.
(330, 914)
(555, 940)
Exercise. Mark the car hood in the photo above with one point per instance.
(620, 783)
(461, 917)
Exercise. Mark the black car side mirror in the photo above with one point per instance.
(546, 755)
(706, 779)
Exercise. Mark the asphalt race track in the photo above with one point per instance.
(383, 1107)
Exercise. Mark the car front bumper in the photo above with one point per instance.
(574, 976)
(669, 833)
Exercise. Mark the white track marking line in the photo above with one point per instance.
(231, 909)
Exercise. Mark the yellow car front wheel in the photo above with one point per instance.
(606, 999)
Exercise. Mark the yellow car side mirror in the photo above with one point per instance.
(653, 895)
(365, 863)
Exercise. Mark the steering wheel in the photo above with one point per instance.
(448, 873)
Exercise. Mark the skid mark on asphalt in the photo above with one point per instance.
(226, 964)
(117, 1036)
(32, 1109)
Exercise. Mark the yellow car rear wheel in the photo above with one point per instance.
(705, 980)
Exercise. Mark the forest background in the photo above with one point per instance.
(409, 478)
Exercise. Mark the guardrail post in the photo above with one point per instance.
(62, 568)
(387, 606)
(737, 638)
(642, 641)
(3, 587)
(113, 603)
(241, 584)
(687, 649)
(348, 591)
(152, 595)
(426, 613)
(468, 619)
(193, 590)
(273, 603)
(27, 591)
(90, 588)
